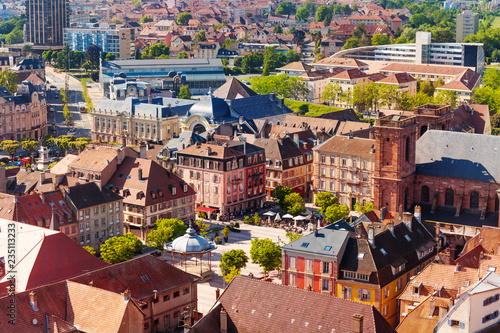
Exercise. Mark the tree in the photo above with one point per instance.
(204, 227)
(117, 249)
(302, 14)
(173, 228)
(8, 79)
(110, 57)
(87, 66)
(491, 78)
(137, 3)
(182, 55)
(68, 117)
(440, 35)
(294, 204)
(360, 208)
(495, 120)
(380, 39)
(336, 212)
(266, 254)
(426, 87)
(278, 29)
(93, 54)
(184, 92)
(293, 236)
(233, 260)
(417, 20)
(27, 48)
(439, 82)
(446, 97)
(62, 142)
(14, 37)
(325, 200)
(90, 250)
(227, 42)
(29, 144)
(279, 194)
(364, 41)
(331, 92)
(386, 95)
(183, 18)
(351, 43)
(146, 19)
(200, 36)
(155, 51)
(285, 8)
(359, 31)
(47, 55)
(10, 147)
(322, 12)
(118, 21)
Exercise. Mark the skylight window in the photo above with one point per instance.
(408, 238)
(491, 269)
(327, 248)
(361, 255)
(384, 252)
(305, 245)
(144, 278)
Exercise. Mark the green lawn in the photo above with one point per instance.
(496, 22)
(313, 110)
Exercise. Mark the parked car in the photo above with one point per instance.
(53, 87)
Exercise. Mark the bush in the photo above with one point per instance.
(237, 224)
(247, 220)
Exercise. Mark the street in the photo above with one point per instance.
(80, 120)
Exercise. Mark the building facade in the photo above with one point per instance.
(227, 177)
(120, 42)
(467, 24)
(345, 166)
(45, 22)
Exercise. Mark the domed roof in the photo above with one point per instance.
(210, 107)
(190, 243)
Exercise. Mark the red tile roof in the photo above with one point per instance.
(350, 74)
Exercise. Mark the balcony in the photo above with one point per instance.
(353, 169)
(353, 181)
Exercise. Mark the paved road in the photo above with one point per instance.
(80, 120)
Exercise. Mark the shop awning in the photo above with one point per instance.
(206, 209)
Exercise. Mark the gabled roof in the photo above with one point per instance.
(348, 145)
(141, 275)
(296, 66)
(234, 89)
(90, 195)
(350, 74)
(257, 306)
(45, 256)
(397, 78)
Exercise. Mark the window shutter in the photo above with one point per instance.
(484, 303)
(331, 269)
(359, 293)
(321, 267)
(330, 286)
(462, 325)
(369, 295)
(449, 322)
(321, 285)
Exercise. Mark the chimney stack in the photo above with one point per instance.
(142, 150)
(418, 213)
(432, 306)
(357, 323)
(223, 321)
(33, 301)
(371, 235)
(126, 295)
(42, 177)
(407, 217)
(390, 225)
(139, 171)
(208, 151)
(296, 140)
(217, 294)
(457, 268)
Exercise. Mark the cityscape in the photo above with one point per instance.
(249, 166)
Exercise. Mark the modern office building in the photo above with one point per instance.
(467, 24)
(422, 52)
(120, 42)
(45, 22)
(200, 74)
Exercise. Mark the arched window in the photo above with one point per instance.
(423, 129)
(449, 197)
(474, 200)
(407, 149)
(199, 128)
(424, 196)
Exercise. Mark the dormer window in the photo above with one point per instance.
(174, 191)
(185, 188)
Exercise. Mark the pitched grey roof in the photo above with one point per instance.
(160, 106)
(259, 106)
(459, 155)
(327, 241)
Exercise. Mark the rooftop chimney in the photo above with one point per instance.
(371, 235)
(390, 225)
(240, 121)
(33, 301)
(139, 173)
(407, 217)
(357, 323)
(126, 295)
(208, 151)
(142, 150)
(217, 294)
(457, 268)
(296, 139)
(223, 321)
(42, 177)
(418, 213)
(432, 306)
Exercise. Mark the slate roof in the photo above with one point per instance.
(127, 275)
(327, 241)
(279, 150)
(258, 106)
(257, 306)
(234, 89)
(89, 195)
(459, 155)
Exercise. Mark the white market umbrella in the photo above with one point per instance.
(277, 217)
(299, 218)
(269, 213)
(288, 216)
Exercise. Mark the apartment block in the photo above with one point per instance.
(467, 24)
(45, 21)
